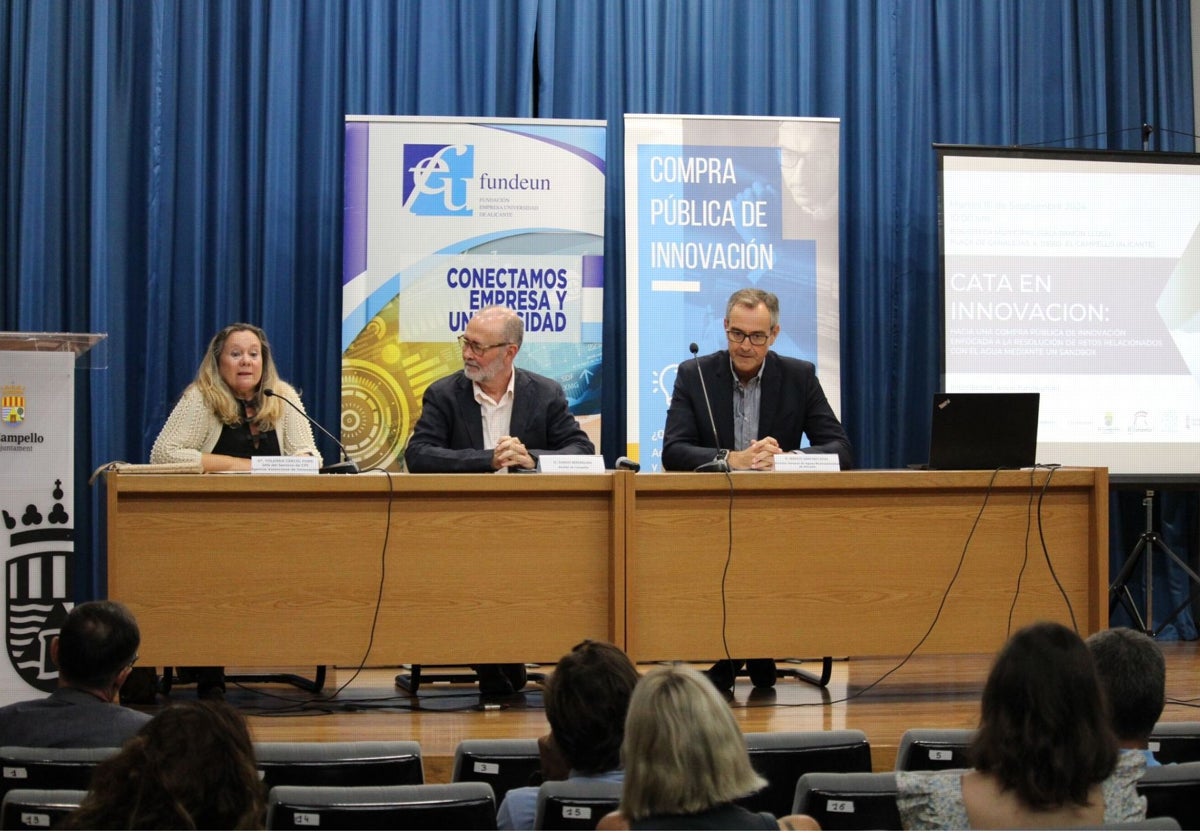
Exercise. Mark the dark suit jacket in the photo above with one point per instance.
(792, 404)
(449, 434)
(68, 717)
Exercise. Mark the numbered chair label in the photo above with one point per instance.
(840, 806)
(306, 819)
(576, 812)
(487, 767)
(941, 755)
(36, 820)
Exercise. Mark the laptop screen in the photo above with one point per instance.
(983, 431)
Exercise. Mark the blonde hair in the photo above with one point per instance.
(217, 396)
(683, 751)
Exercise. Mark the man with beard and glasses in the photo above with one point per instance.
(493, 417)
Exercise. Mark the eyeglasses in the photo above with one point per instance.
(757, 339)
(477, 348)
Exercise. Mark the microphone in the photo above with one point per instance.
(346, 467)
(721, 462)
(624, 463)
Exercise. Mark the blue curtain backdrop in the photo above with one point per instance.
(169, 167)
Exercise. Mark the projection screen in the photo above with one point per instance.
(1077, 274)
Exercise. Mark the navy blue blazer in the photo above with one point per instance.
(792, 404)
(449, 434)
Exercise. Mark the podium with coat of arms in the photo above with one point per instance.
(37, 499)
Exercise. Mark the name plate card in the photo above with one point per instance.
(284, 465)
(807, 462)
(563, 464)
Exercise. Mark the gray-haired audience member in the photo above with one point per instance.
(586, 698)
(94, 651)
(1133, 676)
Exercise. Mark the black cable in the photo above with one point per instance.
(937, 615)
(1051, 469)
(387, 532)
(1140, 129)
(1024, 557)
(725, 571)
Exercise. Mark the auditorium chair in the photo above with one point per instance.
(1151, 824)
(1174, 743)
(783, 757)
(49, 768)
(575, 805)
(504, 763)
(339, 763)
(849, 801)
(934, 749)
(1173, 790)
(35, 810)
(457, 806)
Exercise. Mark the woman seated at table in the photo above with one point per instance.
(224, 418)
(1043, 757)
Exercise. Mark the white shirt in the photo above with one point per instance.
(496, 414)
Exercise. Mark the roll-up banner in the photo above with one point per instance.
(37, 445)
(444, 217)
(712, 205)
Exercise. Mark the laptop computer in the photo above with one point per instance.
(983, 431)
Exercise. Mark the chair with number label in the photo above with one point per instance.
(575, 805)
(1174, 743)
(34, 810)
(339, 763)
(457, 806)
(934, 749)
(849, 801)
(783, 757)
(504, 763)
(49, 768)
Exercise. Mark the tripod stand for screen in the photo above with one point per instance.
(1144, 550)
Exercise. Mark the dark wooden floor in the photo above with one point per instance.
(870, 694)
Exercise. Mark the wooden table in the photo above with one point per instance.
(858, 563)
(267, 569)
(246, 570)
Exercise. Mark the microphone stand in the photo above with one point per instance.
(721, 462)
(346, 466)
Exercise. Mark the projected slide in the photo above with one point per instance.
(1077, 275)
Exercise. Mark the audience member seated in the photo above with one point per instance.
(686, 761)
(1133, 677)
(94, 651)
(1044, 755)
(586, 698)
(190, 768)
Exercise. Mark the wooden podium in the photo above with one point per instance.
(246, 570)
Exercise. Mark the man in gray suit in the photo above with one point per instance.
(493, 417)
(94, 652)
